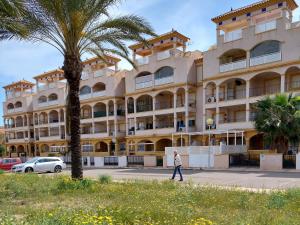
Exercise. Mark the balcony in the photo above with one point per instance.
(232, 95)
(99, 114)
(233, 66)
(49, 103)
(144, 81)
(163, 55)
(233, 35)
(268, 58)
(142, 61)
(164, 80)
(15, 110)
(267, 26)
(268, 90)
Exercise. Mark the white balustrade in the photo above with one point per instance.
(233, 66)
(19, 109)
(85, 96)
(233, 35)
(54, 102)
(268, 58)
(266, 26)
(144, 81)
(164, 80)
(142, 61)
(163, 55)
(99, 93)
(99, 73)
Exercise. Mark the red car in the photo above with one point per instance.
(8, 163)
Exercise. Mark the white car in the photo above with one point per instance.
(40, 165)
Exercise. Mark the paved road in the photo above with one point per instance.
(245, 179)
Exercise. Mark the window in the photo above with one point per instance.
(264, 9)
(248, 14)
(280, 4)
(85, 90)
(164, 72)
(265, 48)
(234, 19)
(220, 23)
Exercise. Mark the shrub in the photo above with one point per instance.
(1, 172)
(105, 179)
(66, 183)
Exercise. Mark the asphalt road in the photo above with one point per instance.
(245, 179)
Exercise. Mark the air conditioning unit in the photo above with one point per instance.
(211, 99)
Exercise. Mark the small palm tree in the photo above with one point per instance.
(76, 27)
(278, 119)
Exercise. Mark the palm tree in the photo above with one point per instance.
(76, 27)
(278, 118)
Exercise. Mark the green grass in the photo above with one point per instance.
(56, 200)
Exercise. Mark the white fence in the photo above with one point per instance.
(233, 66)
(268, 58)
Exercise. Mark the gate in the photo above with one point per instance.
(111, 161)
(248, 160)
(289, 162)
(135, 160)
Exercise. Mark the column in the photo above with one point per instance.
(247, 112)
(247, 89)
(187, 109)
(217, 109)
(59, 127)
(126, 116)
(175, 114)
(153, 109)
(282, 83)
(203, 108)
(93, 123)
(115, 118)
(248, 59)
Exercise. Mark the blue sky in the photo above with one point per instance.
(20, 60)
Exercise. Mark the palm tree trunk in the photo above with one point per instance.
(72, 71)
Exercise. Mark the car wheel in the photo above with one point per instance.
(28, 170)
(57, 169)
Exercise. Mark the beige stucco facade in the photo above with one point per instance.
(171, 93)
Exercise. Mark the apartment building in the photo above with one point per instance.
(257, 54)
(35, 114)
(160, 95)
(167, 99)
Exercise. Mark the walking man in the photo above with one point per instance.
(177, 164)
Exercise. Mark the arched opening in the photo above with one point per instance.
(52, 97)
(131, 147)
(86, 112)
(130, 105)
(164, 100)
(10, 106)
(234, 88)
(12, 149)
(53, 116)
(162, 144)
(111, 108)
(266, 83)
(210, 92)
(144, 103)
(20, 149)
(101, 147)
(36, 119)
(45, 148)
(42, 99)
(265, 52)
(233, 59)
(25, 120)
(143, 80)
(257, 142)
(145, 146)
(99, 87)
(19, 121)
(99, 110)
(18, 105)
(43, 118)
(292, 76)
(121, 107)
(164, 75)
(85, 90)
(180, 142)
(62, 115)
(180, 99)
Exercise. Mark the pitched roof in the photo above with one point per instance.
(21, 82)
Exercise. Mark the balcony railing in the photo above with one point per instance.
(267, 26)
(164, 105)
(232, 95)
(233, 120)
(210, 98)
(268, 58)
(164, 80)
(87, 148)
(85, 96)
(142, 61)
(98, 94)
(252, 116)
(233, 35)
(268, 90)
(233, 66)
(163, 55)
(99, 114)
(293, 85)
(144, 81)
(144, 108)
(164, 124)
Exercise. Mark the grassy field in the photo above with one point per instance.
(32, 199)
